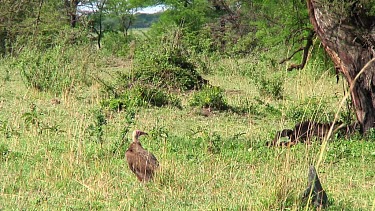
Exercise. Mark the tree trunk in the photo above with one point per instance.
(3, 38)
(349, 38)
(71, 6)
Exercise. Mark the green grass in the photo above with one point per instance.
(138, 31)
(207, 163)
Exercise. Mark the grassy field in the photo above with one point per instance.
(49, 160)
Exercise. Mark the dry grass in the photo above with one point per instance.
(65, 168)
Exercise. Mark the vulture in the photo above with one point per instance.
(142, 163)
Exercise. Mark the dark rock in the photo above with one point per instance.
(314, 191)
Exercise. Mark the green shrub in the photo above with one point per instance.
(270, 86)
(115, 104)
(6, 129)
(163, 62)
(157, 97)
(4, 151)
(96, 129)
(210, 97)
(116, 43)
(55, 69)
(140, 95)
(162, 67)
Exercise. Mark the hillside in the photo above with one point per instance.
(144, 20)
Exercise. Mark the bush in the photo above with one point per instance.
(162, 68)
(55, 69)
(141, 95)
(157, 97)
(267, 85)
(96, 129)
(210, 97)
(164, 63)
(116, 43)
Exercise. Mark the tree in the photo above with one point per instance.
(190, 15)
(124, 11)
(347, 32)
(96, 15)
(26, 21)
(71, 10)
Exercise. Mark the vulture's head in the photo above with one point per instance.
(137, 133)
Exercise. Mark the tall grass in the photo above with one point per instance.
(207, 163)
(56, 69)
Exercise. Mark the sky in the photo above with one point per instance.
(153, 9)
(149, 10)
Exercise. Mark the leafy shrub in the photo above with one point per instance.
(370, 134)
(6, 129)
(116, 43)
(33, 117)
(162, 67)
(210, 97)
(157, 97)
(7, 154)
(96, 129)
(164, 63)
(119, 146)
(55, 69)
(140, 95)
(270, 86)
(116, 104)
(245, 45)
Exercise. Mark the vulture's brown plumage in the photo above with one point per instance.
(141, 162)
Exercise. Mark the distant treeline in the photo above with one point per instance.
(143, 20)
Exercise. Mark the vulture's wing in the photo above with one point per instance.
(142, 163)
(150, 160)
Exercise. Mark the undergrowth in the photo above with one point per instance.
(217, 161)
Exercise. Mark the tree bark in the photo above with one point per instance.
(71, 6)
(349, 39)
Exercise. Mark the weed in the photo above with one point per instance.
(214, 143)
(129, 121)
(7, 130)
(209, 97)
(156, 97)
(114, 104)
(270, 86)
(370, 134)
(33, 117)
(4, 151)
(159, 131)
(96, 129)
(115, 44)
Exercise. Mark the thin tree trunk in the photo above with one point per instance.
(349, 40)
(71, 7)
(3, 37)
